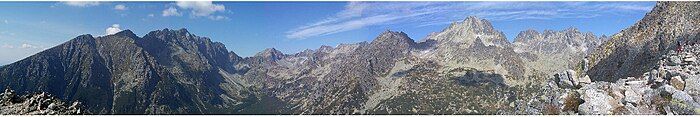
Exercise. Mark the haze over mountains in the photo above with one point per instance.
(467, 68)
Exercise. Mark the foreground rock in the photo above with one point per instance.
(36, 104)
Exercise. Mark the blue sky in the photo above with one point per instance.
(249, 27)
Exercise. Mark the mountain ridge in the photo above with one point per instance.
(176, 72)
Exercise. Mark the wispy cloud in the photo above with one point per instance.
(82, 3)
(14, 52)
(358, 15)
(7, 46)
(25, 45)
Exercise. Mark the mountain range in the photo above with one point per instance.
(467, 68)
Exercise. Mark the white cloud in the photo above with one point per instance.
(120, 7)
(114, 29)
(25, 45)
(11, 53)
(151, 15)
(171, 12)
(358, 15)
(218, 17)
(7, 46)
(201, 8)
(6, 22)
(82, 3)
(22, 46)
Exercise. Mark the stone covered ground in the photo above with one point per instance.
(672, 88)
(35, 104)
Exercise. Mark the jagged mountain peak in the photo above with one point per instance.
(572, 30)
(389, 32)
(180, 31)
(465, 32)
(393, 37)
(325, 48)
(476, 21)
(475, 24)
(127, 33)
(551, 41)
(271, 53)
(169, 32)
(527, 35)
(85, 36)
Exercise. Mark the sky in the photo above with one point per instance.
(246, 28)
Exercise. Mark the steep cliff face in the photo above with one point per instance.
(73, 71)
(167, 71)
(640, 46)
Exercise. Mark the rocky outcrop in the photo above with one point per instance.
(36, 104)
(668, 89)
(638, 48)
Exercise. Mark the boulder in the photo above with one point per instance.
(659, 80)
(683, 103)
(667, 89)
(653, 75)
(673, 60)
(632, 97)
(585, 79)
(689, 59)
(632, 109)
(677, 82)
(572, 77)
(596, 101)
(673, 71)
(564, 81)
(692, 86)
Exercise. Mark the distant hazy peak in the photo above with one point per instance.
(393, 37)
(527, 35)
(270, 53)
(466, 32)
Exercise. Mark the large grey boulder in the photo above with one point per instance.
(632, 96)
(692, 87)
(682, 103)
(596, 101)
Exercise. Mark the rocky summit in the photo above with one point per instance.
(467, 68)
